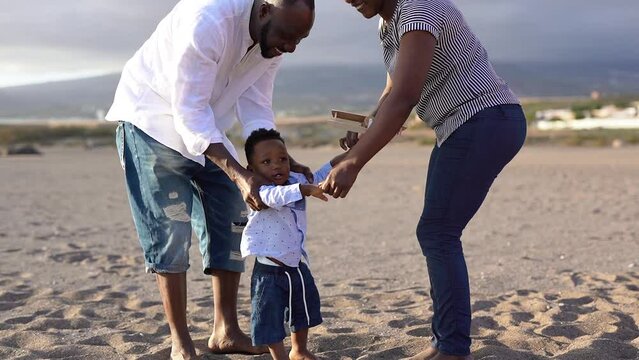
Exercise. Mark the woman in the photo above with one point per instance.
(437, 66)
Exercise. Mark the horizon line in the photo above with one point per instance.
(64, 77)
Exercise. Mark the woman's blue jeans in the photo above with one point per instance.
(460, 174)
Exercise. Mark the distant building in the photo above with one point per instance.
(589, 124)
(100, 114)
(606, 117)
(611, 111)
(555, 115)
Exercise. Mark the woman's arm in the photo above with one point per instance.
(352, 137)
(413, 64)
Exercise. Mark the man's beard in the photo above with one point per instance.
(263, 46)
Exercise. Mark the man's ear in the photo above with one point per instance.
(264, 12)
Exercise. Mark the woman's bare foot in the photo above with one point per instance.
(301, 355)
(427, 354)
(238, 343)
(441, 356)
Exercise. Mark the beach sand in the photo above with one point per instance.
(553, 257)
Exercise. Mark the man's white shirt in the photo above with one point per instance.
(193, 77)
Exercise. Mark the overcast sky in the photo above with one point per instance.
(54, 39)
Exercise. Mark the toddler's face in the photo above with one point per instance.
(270, 159)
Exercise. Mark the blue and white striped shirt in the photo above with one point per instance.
(461, 81)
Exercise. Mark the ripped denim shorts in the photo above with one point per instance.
(171, 196)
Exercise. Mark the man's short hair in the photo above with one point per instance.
(287, 3)
(258, 136)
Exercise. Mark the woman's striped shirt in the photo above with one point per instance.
(461, 81)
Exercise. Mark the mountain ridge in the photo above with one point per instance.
(312, 90)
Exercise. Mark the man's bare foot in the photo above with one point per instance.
(180, 353)
(427, 354)
(238, 343)
(301, 355)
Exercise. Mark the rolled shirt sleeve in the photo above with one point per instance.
(322, 173)
(255, 105)
(277, 197)
(198, 45)
(318, 176)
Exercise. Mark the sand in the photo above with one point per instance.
(553, 257)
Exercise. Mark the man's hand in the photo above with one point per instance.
(314, 191)
(301, 169)
(249, 184)
(340, 180)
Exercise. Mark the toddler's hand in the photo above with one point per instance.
(314, 191)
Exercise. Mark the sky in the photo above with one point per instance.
(45, 40)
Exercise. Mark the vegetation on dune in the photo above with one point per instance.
(51, 135)
(320, 133)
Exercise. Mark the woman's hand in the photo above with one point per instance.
(340, 180)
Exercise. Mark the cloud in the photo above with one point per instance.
(556, 30)
(101, 25)
(102, 34)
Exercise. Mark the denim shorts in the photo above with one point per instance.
(171, 196)
(282, 295)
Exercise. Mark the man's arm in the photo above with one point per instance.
(255, 105)
(197, 46)
(248, 182)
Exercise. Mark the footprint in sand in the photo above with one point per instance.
(19, 320)
(29, 340)
(15, 297)
(420, 332)
(73, 257)
(44, 324)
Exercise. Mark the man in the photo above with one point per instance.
(207, 62)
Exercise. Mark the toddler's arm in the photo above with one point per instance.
(322, 173)
(277, 197)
